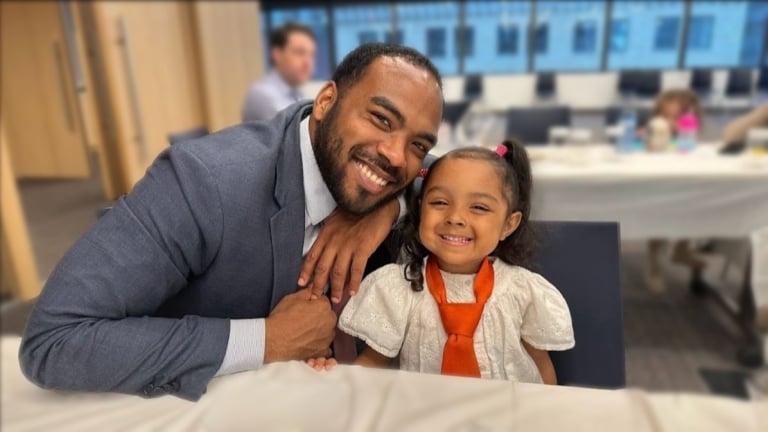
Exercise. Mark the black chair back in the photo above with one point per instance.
(531, 125)
(582, 259)
(701, 81)
(739, 83)
(454, 111)
(545, 85)
(762, 79)
(642, 83)
(473, 87)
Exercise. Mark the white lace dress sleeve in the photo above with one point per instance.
(547, 321)
(378, 314)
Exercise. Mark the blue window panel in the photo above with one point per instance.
(468, 34)
(500, 39)
(542, 38)
(317, 20)
(436, 42)
(700, 32)
(667, 30)
(619, 39)
(721, 41)
(585, 37)
(355, 25)
(394, 38)
(365, 37)
(754, 33)
(645, 34)
(507, 40)
(428, 27)
(569, 35)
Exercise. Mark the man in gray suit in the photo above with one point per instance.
(197, 272)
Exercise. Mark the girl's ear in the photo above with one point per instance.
(511, 224)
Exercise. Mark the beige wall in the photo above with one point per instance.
(230, 53)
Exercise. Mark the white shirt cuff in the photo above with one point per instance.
(245, 347)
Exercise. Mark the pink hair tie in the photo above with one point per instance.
(501, 150)
(422, 173)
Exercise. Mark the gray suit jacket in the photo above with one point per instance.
(141, 302)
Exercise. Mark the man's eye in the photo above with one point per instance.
(422, 148)
(382, 119)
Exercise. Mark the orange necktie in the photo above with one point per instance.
(460, 319)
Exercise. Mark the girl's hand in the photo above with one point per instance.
(322, 363)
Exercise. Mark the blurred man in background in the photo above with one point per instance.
(292, 50)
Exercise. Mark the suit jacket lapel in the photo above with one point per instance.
(287, 225)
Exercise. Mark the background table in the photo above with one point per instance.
(293, 397)
(670, 195)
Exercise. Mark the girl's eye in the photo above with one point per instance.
(438, 203)
(480, 208)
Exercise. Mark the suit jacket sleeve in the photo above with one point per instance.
(92, 328)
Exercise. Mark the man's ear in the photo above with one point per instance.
(511, 224)
(324, 101)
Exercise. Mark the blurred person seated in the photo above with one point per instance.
(292, 53)
(737, 129)
(670, 106)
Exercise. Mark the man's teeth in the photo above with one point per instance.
(456, 239)
(371, 175)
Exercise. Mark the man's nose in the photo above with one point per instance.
(394, 150)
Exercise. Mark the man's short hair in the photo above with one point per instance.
(280, 35)
(354, 65)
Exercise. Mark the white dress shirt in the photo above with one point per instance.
(268, 96)
(245, 348)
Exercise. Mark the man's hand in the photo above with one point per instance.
(342, 249)
(299, 328)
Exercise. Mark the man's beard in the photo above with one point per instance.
(328, 148)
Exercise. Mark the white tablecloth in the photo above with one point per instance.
(668, 195)
(293, 397)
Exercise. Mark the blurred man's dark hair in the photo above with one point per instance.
(354, 65)
(280, 35)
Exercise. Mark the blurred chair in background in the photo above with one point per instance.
(591, 285)
(739, 83)
(762, 81)
(545, 86)
(639, 83)
(473, 87)
(532, 125)
(701, 82)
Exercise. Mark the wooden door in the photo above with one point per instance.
(39, 100)
(149, 61)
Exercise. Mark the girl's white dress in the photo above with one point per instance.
(393, 319)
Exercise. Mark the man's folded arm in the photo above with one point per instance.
(92, 327)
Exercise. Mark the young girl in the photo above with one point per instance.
(460, 304)
(671, 105)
